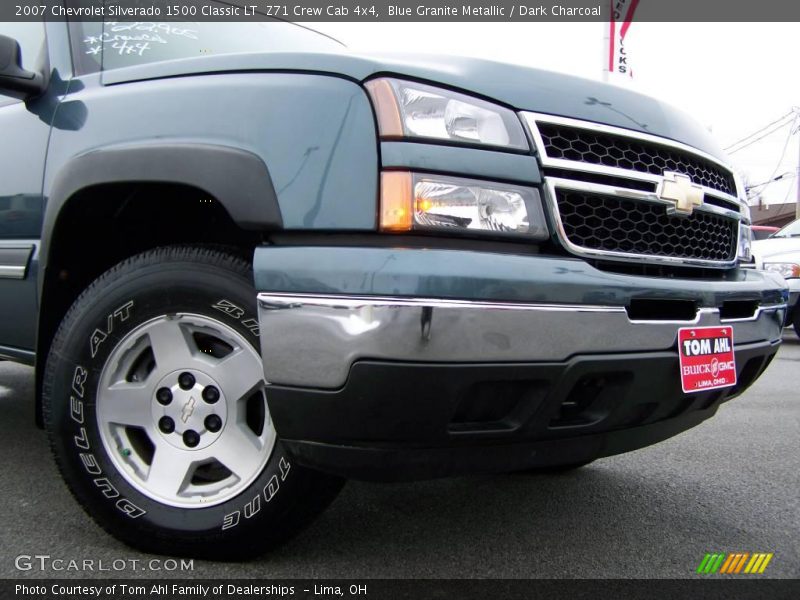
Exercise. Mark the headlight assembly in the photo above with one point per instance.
(413, 110)
(421, 202)
(786, 269)
(745, 253)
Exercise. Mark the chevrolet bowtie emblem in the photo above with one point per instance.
(188, 409)
(678, 188)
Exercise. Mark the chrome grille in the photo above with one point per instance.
(604, 188)
(598, 148)
(611, 224)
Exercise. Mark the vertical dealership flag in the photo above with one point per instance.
(618, 61)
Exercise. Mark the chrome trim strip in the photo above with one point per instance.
(530, 119)
(761, 310)
(277, 301)
(610, 190)
(688, 323)
(552, 183)
(708, 312)
(617, 172)
(26, 357)
(11, 272)
(14, 259)
(312, 341)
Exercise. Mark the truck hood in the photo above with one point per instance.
(518, 87)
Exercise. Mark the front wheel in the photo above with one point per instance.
(157, 412)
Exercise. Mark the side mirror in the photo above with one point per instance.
(14, 80)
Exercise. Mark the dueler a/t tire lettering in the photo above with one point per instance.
(122, 345)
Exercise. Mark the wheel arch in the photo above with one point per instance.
(238, 179)
(100, 202)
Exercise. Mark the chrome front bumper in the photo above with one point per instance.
(313, 340)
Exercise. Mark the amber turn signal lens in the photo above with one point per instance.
(396, 201)
(386, 110)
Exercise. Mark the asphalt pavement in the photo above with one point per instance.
(730, 485)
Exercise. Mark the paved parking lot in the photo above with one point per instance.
(729, 485)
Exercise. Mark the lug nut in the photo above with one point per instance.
(213, 423)
(211, 394)
(164, 396)
(186, 381)
(166, 425)
(191, 438)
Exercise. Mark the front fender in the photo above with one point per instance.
(237, 179)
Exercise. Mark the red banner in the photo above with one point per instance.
(621, 17)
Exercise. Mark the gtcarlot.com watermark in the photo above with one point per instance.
(48, 563)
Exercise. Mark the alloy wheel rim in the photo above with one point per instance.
(182, 411)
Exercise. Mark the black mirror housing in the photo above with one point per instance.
(14, 80)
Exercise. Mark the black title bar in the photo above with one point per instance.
(399, 10)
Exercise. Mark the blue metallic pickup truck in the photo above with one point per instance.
(248, 264)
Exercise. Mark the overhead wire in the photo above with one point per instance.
(795, 128)
(759, 138)
(771, 179)
(744, 139)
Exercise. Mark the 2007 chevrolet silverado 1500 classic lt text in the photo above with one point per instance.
(248, 264)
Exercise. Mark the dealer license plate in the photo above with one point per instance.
(706, 358)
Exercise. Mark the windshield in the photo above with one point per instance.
(791, 230)
(112, 45)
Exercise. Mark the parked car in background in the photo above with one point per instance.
(781, 253)
(762, 232)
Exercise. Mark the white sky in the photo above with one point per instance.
(734, 78)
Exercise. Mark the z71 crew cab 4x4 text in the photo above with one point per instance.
(439, 266)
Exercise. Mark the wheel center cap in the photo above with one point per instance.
(189, 409)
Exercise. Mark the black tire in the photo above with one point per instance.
(796, 323)
(278, 503)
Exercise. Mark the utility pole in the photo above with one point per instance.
(797, 179)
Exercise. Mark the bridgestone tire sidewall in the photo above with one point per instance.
(77, 359)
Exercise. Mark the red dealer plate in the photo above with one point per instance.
(706, 358)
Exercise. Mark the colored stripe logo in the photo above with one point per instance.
(734, 563)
